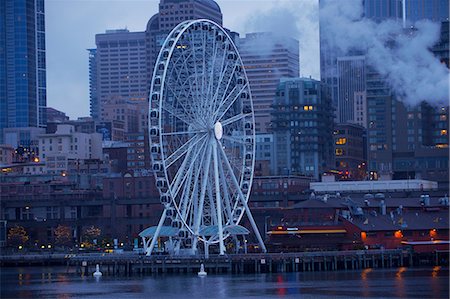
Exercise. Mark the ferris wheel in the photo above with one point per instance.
(202, 137)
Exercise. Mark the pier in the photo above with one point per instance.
(135, 264)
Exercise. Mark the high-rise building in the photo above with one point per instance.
(23, 96)
(351, 83)
(415, 10)
(402, 141)
(121, 64)
(267, 58)
(378, 10)
(171, 13)
(303, 128)
(94, 105)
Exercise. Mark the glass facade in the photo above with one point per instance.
(22, 64)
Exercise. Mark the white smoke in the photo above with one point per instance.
(296, 19)
(403, 57)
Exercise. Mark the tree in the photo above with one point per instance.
(17, 235)
(91, 233)
(63, 235)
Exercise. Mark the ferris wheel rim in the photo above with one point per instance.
(175, 36)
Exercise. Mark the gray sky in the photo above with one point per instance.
(71, 26)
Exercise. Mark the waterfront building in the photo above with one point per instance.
(303, 126)
(267, 58)
(22, 65)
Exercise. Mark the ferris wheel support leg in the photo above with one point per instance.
(155, 236)
(244, 202)
(218, 199)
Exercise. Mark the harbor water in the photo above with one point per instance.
(57, 282)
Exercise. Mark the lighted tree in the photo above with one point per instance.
(63, 235)
(17, 235)
(91, 233)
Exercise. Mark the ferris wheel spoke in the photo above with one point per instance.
(186, 195)
(182, 150)
(234, 119)
(227, 199)
(224, 95)
(174, 111)
(183, 133)
(212, 71)
(221, 74)
(179, 178)
(231, 102)
(198, 214)
(233, 139)
(187, 112)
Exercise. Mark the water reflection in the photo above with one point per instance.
(381, 283)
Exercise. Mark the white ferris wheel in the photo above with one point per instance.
(202, 139)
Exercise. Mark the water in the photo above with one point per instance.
(54, 282)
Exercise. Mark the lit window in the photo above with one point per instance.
(341, 141)
(443, 132)
(339, 152)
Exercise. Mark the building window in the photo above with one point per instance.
(339, 152)
(341, 141)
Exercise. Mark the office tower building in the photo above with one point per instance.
(22, 64)
(414, 10)
(121, 64)
(303, 128)
(171, 13)
(351, 87)
(94, 105)
(267, 58)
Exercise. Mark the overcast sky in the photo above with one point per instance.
(71, 26)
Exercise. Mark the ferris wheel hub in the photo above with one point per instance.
(218, 130)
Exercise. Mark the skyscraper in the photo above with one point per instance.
(121, 67)
(351, 83)
(23, 96)
(415, 10)
(267, 58)
(171, 13)
(94, 105)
